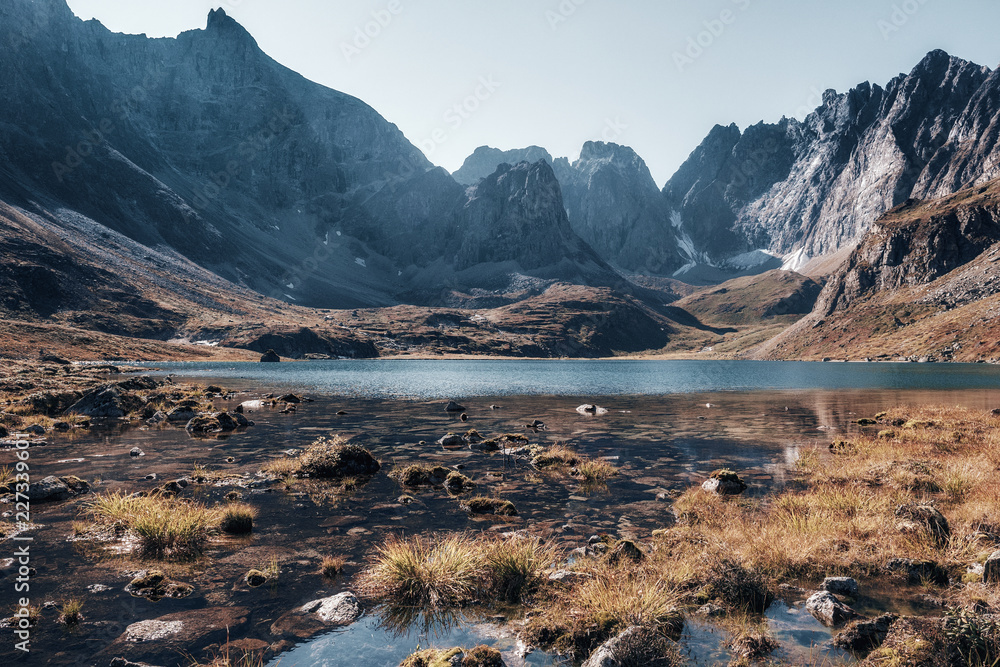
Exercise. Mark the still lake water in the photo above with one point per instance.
(441, 379)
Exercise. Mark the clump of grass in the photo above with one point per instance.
(515, 566)
(482, 656)
(420, 475)
(426, 570)
(237, 518)
(596, 470)
(556, 456)
(457, 569)
(331, 566)
(70, 612)
(165, 527)
(487, 505)
(432, 657)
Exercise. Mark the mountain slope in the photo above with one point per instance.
(206, 146)
(924, 282)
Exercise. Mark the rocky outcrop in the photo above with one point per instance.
(296, 343)
(816, 186)
(485, 160)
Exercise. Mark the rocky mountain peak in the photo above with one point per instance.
(485, 160)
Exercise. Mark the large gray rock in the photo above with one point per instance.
(152, 630)
(828, 609)
(338, 610)
(47, 489)
(106, 402)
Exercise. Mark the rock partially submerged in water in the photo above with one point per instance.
(485, 505)
(590, 409)
(828, 610)
(54, 488)
(634, 646)
(452, 440)
(106, 402)
(339, 610)
(725, 482)
(454, 407)
(333, 460)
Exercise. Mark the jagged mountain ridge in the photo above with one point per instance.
(780, 194)
(814, 187)
(205, 145)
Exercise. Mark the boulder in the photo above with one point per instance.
(928, 517)
(454, 407)
(204, 423)
(865, 635)
(35, 429)
(991, 569)
(636, 646)
(451, 440)
(135, 452)
(840, 586)
(270, 357)
(340, 610)
(152, 630)
(724, 483)
(828, 610)
(227, 421)
(181, 413)
(158, 418)
(48, 489)
(626, 550)
(590, 409)
(289, 398)
(106, 402)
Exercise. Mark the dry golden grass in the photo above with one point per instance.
(844, 519)
(456, 569)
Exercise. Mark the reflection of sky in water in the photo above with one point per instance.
(428, 379)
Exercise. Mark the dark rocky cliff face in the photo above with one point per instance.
(916, 244)
(615, 205)
(205, 145)
(816, 186)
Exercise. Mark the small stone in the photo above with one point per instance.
(451, 440)
(725, 483)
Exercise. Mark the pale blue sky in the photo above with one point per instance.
(557, 73)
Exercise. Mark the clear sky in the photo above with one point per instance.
(652, 74)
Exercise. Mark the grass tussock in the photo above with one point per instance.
(71, 612)
(327, 458)
(165, 527)
(596, 470)
(237, 518)
(457, 569)
(331, 566)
